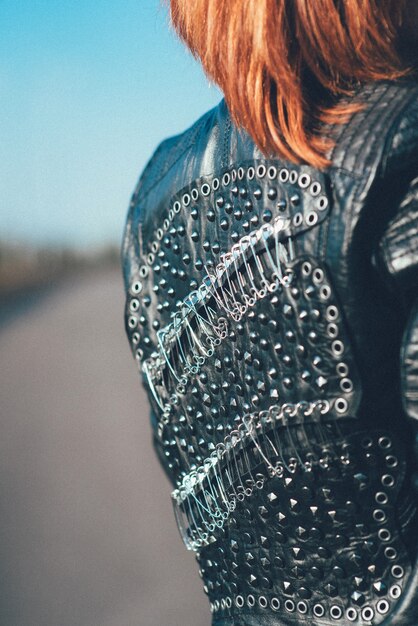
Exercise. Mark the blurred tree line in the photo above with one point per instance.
(27, 266)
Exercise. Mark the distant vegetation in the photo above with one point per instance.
(23, 266)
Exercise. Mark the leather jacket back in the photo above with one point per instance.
(271, 310)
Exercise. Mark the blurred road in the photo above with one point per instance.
(87, 534)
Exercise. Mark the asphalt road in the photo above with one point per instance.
(87, 534)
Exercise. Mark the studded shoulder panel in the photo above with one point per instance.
(229, 316)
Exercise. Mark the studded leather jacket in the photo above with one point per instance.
(272, 312)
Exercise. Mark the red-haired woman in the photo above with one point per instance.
(271, 269)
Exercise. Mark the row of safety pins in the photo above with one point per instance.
(196, 329)
(241, 278)
(209, 494)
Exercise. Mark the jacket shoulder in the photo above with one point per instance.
(382, 130)
(172, 149)
(152, 185)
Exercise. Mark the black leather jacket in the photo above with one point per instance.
(272, 311)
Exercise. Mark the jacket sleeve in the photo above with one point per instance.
(397, 261)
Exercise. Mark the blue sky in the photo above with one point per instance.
(88, 88)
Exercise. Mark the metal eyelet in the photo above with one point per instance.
(367, 613)
(304, 181)
(311, 218)
(134, 305)
(205, 189)
(390, 552)
(332, 313)
(136, 287)
(262, 601)
(379, 516)
(171, 215)
(397, 571)
(160, 233)
(233, 175)
(297, 219)
(272, 172)
(284, 175)
(239, 601)
(351, 614)
(226, 179)
(385, 443)
(275, 603)
(315, 189)
(150, 258)
(240, 173)
(302, 607)
(289, 605)
(388, 480)
(186, 201)
(194, 193)
(342, 369)
(143, 271)
(322, 203)
(341, 405)
(383, 607)
(318, 610)
(346, 385)
(318, 276)
(215, 184)
(293, 177)
(132, 321)
(381, 498)
(384, 535)
(337, 347)
(135, 338)
(250, 600)
(166, 224)
(306, 268)
(391, 461)
(324, 292)
(336, 612)
(261, 171)
(332, 330)
(139, 354)
(395, 592)
(154, 247)
(250, 176)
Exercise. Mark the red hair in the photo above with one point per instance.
(285, 66)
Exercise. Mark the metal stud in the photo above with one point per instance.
(322, 203)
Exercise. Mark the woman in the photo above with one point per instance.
(271, 271)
